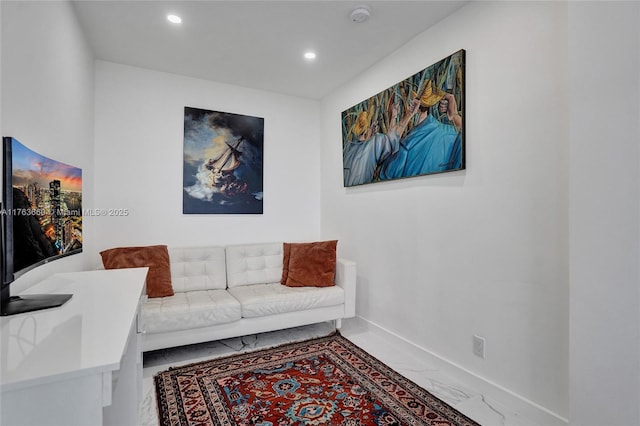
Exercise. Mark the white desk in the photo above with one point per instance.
(79, 364)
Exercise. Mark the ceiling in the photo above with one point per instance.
(256, 44)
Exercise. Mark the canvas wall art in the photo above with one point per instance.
(222, 163)
(413, 128)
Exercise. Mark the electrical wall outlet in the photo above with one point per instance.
(478, 346)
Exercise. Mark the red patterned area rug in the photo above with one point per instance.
(325, 381)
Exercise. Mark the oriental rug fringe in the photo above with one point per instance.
(324, 381)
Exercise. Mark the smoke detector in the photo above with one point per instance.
(360, 14)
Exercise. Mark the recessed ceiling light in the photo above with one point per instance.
(174, 19)
(310, 56)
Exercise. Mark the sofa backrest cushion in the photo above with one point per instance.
(249, 264)
(198, 268)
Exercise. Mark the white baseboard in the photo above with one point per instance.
(517, 403)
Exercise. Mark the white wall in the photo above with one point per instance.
(47, 98)
(138, 156)
(482, 251)
(604, 42)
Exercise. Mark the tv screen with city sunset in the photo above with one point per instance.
(45, 207)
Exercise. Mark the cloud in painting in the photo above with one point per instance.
(240, 126)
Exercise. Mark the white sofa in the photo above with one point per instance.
(223, 292)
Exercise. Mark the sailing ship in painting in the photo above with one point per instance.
(222, 162)
(413, 128)
(221, 171)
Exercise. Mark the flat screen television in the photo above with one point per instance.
(41, 220)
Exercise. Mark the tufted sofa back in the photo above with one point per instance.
(254, 264)
(197, 268)
(216, 268)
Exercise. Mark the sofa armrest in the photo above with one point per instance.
(346, 278)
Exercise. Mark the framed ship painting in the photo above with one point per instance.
(222, 163)
(413, 128)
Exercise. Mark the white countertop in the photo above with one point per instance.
(87, 335)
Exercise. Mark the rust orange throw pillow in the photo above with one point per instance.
(309, 264)
(155, 257)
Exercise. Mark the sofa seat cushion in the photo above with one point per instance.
(268, 299)
(190, 309)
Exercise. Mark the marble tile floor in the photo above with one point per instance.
(463, 398)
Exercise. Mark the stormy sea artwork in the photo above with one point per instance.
(413, 128)
(223, 163)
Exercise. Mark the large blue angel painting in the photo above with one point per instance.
(222, 163)
(413, 128)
